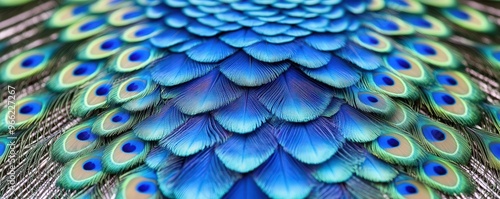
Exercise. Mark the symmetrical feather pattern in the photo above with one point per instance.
(250, 99)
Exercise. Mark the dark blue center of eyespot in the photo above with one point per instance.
(459, 13)
(400, 2)
(2, 148)
(83, 135)
(102, 90)
(435, 169)
(80, 9)
(146, 187)
(496, 55)
(383, 80)
(368, 39)
(139, 55)
(447, 80)
(93, 24)
(92, 164)
(30, 108)
(372, 99)
(145, 31)
(32, 61)
(425, 49)
(495, 149)
(443, 98)
(86, 68)
(386, 141)
(419, 21)
(132, 15)
(136, 86)
(433, 133)
(128, 148)
(387, 25)
(111, 44)
(120, 117)
(89, 166)
(398, 63)
(406, 189)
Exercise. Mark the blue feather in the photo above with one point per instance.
(201, 30)
(244, 153)
(185, 46)
(355, 126)
(175, 69)
(338, 25)
(297, 32)
(157, 157)
(245, 188)
(317, 24)
(212, 50)
(243, 115)
(204, 176)
(310, 57)
(206, 93)
(271, 29)
(159, 125)
(241, 38)
(247, 71)
(176, 20)
(294, 97)
(337, 73)
(196, 134)
(269, 52)
(312, 143)
(281, 176)
(170, 37)
(326, 42)
(363, 58)
(375, 170)
(278, 39)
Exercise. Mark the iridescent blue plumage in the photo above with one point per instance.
(250, 99)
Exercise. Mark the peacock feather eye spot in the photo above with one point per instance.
(136, 86)
(32, 61)
(421, 22)
(425, 49)
(411, 189)
(403, 63)
(407, 188)
(372, 99)
(145, 31)
(117, 118)
(388, 81)
(392, 142)
(128, 148)
(440, 170)
(496, 55)
(139, 55)
(388, 25)
(102, 90)
(89, 166)
(26, 109)
(2, 148)
(132, 15)
(447, 80)
(79, 71)
(442, 98)
(495, 149)
(143, 188)
(448, 99)
(80, 9)
(146, 187)
(111, 44)
(83, 135)
(438, 135)
(91, 25)
(459, 14)
(369, 39)
(30, 108)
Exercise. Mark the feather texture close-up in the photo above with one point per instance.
(249, 99)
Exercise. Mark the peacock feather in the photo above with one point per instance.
(250, 99)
